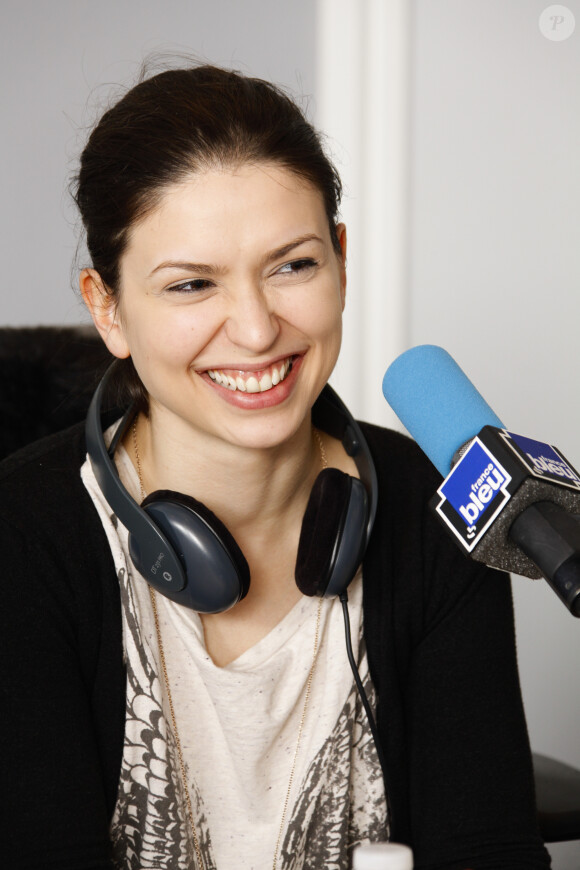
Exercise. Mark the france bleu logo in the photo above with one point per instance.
(542, 460)
(473, 494)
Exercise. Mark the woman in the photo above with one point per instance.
(145, 734)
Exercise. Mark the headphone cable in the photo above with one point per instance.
(362, 694)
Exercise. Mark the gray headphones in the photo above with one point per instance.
(186, 553)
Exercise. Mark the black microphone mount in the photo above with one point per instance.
(514, 503)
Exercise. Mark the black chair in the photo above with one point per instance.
(47, 377)
(558, 799)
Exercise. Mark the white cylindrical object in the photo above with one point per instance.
(382, 856)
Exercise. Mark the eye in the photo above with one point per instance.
(297, 267)
(194, 285)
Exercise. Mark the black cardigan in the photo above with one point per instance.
(440, 640)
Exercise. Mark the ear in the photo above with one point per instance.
(341, 236)
(103, 308)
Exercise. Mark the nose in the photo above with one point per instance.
(252, 322)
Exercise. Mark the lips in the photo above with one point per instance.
(252, 382)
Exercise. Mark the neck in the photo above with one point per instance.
(246, 487)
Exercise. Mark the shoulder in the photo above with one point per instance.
(406, 478)
(58, 572)
(48, 523)
(394, 453)
(412, 567)
(407, 482)
(66, 445)
(41, 484)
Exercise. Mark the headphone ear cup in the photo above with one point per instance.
(217, 574)
(333, 534)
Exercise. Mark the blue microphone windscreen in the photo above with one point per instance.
(436, 402)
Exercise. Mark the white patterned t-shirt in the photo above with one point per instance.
(238, 726)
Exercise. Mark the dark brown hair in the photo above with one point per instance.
(178, 122)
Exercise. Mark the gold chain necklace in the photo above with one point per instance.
(163, 662)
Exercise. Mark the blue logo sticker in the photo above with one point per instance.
(544, 461)
(476, 490)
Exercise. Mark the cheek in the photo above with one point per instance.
(166, 338)
(321, 315)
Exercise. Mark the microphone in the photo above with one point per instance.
(507, 500)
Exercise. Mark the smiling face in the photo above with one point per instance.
(231, 302)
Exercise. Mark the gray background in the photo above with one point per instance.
(493, 208)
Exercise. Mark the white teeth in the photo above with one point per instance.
(251, 385)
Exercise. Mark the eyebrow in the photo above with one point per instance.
(285, 249)
(207, 269)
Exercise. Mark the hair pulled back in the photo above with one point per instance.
(170, 125)
(182, 121)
